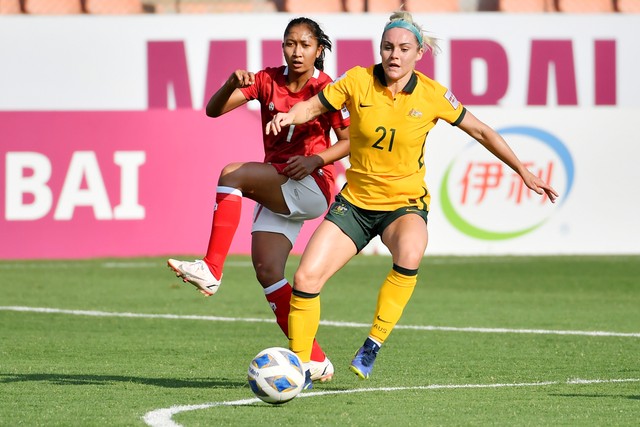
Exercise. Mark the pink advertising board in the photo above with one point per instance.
(99, 184)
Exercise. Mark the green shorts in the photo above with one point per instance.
(362, 225)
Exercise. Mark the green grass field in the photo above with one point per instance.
(484, 341)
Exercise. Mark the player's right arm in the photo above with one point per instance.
(299, 167)
(300, 113)
(229, 96)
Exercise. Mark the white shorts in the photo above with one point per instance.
(304, 200)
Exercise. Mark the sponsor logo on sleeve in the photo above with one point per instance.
(452, 99)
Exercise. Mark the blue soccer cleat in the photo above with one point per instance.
(362, 363)
(308, 382)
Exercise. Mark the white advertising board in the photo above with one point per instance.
(100, 62)
(561, 89)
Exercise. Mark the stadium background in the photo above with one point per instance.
(306, 6)
(105, 150)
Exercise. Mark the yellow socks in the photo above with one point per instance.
(394, 295)
(304, 319)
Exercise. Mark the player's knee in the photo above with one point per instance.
(306, 281)
(410, 259)
(268, 274)
(229, 175)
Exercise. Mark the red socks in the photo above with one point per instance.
(226, 218)
(279, 297)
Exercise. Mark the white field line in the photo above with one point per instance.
(323, 322)
(163, 417)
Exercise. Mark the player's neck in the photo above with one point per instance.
(397, 86)
(295, 82)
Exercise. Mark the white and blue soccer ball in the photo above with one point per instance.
(276, 375)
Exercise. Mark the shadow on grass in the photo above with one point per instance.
(64, 379)
(599, 396)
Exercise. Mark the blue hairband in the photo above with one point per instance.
(401, 23)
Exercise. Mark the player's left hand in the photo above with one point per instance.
(299, 167)
(539, 186)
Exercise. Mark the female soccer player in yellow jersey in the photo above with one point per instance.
(392, 108)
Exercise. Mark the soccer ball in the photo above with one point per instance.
(276, 375)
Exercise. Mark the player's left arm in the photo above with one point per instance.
(496, 144)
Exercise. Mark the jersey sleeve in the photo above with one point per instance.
(339, 119)
(335, 95)
(253, 91)
(450, 109)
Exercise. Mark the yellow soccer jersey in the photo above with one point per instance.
(388, 135)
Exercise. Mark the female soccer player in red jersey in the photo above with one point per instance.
(393, 107)
(292, 185)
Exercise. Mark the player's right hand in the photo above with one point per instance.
(279, 121)
(242, 78)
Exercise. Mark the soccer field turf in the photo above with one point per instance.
(483, 341)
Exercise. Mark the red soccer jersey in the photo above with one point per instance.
(305, 139)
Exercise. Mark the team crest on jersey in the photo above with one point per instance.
(452, 99)
(415, 113)
(339, 209)
(271, 106)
